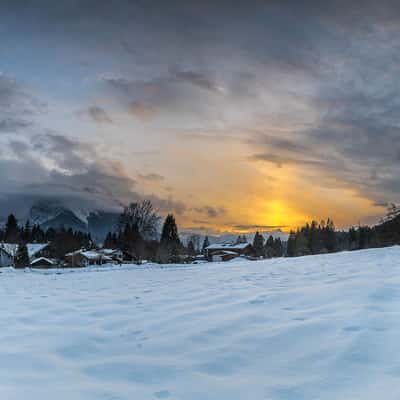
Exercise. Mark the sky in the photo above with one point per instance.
(233, 116)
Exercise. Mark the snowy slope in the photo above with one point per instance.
(319, 327)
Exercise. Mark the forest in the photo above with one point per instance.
(138, 236)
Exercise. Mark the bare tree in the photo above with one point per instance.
(144, 216)
(195, 239)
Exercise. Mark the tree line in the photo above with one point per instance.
(61, 241)
(319, 238)
(137, 235)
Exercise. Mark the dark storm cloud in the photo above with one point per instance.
(51, 165)
(79, 177)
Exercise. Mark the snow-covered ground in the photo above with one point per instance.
(319, 327)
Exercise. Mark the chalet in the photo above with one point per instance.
(116, 255)
(228, 251)
(9, 250)
(84, 258)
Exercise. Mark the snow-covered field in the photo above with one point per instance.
(319, 327)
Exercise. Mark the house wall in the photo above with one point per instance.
(76, 260)
(5, 259)
(42, 264)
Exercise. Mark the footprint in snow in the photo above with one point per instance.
(163, 394)
(352, 328)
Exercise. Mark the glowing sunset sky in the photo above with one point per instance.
(259, 115)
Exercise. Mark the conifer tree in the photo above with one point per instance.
(170, 244)
(206, 243)
(291, 244)
(278, 248)
(22, 258)
(12, 232)
(269, 247)
(109, 242)
(258, 245)
(190, 249)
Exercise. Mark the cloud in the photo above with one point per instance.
(151, 177)
(17, 106)
(184, 90)
(319, 96)
(97, 114)
(210, 211)
(142, 111)
(70, 172)
(198, 79)
(259, 227)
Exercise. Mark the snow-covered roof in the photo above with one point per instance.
(91, 255)
(47, 260)
(226, 253)
(109, 251)
(227, 246)
(9, 248)
(73, 253)
(34, 248)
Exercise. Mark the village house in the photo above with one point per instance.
(116, 255)
(228, 251)
(9, 250)
(37, 250)
(84, 258)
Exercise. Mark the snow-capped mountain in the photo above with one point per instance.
(52, 214)
(42, 212)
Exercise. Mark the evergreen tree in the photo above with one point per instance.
(22, 258)
(190, 249)
(27, 232)
(301, 245)
(258, 245)
(269, 247)
(12, 232)
(313, 238)
(109, 241)
(278, 248)
(170, 244)
(330, 236)
(241, 239)
(206, 243)
(291, 244)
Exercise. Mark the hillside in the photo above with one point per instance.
(317, 327)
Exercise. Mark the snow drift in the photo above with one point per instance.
(318, 327)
